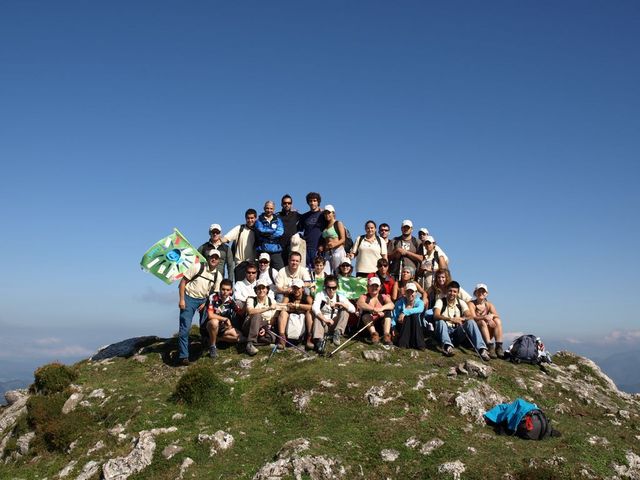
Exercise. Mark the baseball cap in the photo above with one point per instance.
(329, 208)
(430, 239)
(407, 223)
(374, 281)
(479, 286)
(297, 283)
(264, 256)
(424, 230)
(411, 286)
(262, 282)
(214, 251)
(215, 226)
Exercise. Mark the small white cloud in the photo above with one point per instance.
(622, 336)
(574, 341)
(47, 341)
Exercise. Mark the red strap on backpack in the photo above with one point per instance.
(528, 423)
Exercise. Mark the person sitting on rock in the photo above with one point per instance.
(261, 312)
(223, 317)
(377, 307)
(406, 316)
(488, 320)
(297, 309)
(454, 324)
(331, 312)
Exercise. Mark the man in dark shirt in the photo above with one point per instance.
(311, 225)
(290, 219)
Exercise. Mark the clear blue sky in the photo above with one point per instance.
(510, 129)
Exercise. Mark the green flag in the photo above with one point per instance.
(171, 257)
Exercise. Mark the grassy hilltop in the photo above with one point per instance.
(400, 414)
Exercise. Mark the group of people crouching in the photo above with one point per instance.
(401, 293)
(286, 307)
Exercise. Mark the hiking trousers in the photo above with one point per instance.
(186, 317)
(456, 335)
(340, 323)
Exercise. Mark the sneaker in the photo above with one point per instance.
(499, 351)
(448, 351)
(251, 349)
(386, 339)
(484, 354)
(213, 352)
(184, 362)
(309, 345)
(492, 351)
(320, 346)
(375, 337)
(336, 339)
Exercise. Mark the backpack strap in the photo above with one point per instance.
(358, 242)
(234, 245)
(198, 274)
(271, 275)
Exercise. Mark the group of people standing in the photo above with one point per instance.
(277, 278)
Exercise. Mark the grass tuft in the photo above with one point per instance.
(200, 386)
(53, 378)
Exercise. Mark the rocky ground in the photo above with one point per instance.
(366, 413)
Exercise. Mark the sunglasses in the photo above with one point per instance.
(263, 261)
(331, 288)
(251, 273)
(286, 203)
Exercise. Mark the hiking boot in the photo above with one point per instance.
(386, 339)
(309, 345)
(281, 344)
(320, 346)
(251, 349)
(499, 351)
(213, 352)
(336, 339)
(484, 354)
(492, 351)
(375, 337)
(447, 351)
(184, 362)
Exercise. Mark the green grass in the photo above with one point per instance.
(257, 409)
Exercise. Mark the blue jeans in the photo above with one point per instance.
(446, 334)
(186, 317)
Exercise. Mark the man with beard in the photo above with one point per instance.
(404, 250)
(243, 246)
(290, 219)
(311, 225)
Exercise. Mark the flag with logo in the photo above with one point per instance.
(171, 257)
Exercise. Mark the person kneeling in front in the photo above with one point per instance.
(454, 323)
(331, 313)
(260, 315)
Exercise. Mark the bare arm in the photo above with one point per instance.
(181, 303)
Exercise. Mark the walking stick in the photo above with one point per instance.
(290, 344)
(351, 338)
(472, 344)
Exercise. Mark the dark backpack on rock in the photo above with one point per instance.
(526, 349)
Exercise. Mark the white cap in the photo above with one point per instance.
(262, 282)
(411, 286)
(329, 208)
(297, 283)
(214, 251)
(424, 230)
(479, 286)
(430, 239)
(407, 223)
(374, 281)
(346, 260)
(215, 226)
(264, 256)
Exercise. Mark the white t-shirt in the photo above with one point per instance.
(451, 310)
(368, 253)
(245, 244)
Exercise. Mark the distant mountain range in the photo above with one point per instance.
(621, 367)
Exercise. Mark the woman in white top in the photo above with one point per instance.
(434, 260)
(333, 238)
(368, 248)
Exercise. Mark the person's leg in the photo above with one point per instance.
(212, 328)
(497, 335)
(442, 333)
(341, 322)
(318, 329)
(386, 329)
(276, 261)
(283, 318)
(471, 327)
(308, 323)
(230, 335)
(365, 318)
(186, 317)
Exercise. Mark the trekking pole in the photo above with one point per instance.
(351, 337)
(472, 344)
(290, 344)
(273, 352)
